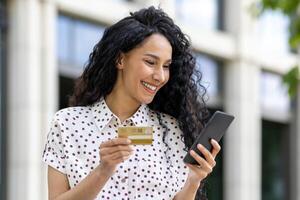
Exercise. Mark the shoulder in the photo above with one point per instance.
(76, 112)
(161, 117)
(164, 120)
(169, 120)
(171, 123)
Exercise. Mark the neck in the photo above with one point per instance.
(121, 105)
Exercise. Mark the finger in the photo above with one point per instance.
(197, 169)
(216, 148)
(208, 156)
(113, 149)
(117, 155)
(116, 141)
(121, 159)
(118, 160)
(120, 154)
(194, 167)
(201, 161)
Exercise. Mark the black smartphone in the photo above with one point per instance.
(214, 129)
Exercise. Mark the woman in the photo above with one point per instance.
(141, 73)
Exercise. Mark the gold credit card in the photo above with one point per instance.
(137, 134)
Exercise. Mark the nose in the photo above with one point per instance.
(159, 75)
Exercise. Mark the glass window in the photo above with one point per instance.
(210, 74)
(75, 40)
(64, 42)
(275, 167)
(272, 33)
(66, 85)
(200, 13)
(86, 36)
(214, 183)
(274, 95)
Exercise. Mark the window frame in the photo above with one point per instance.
(214, 102)
(284, 155)
(219, 24)
(275, 115)
(72, 70)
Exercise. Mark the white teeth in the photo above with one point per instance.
(151, 87)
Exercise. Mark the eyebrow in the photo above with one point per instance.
(156, 57)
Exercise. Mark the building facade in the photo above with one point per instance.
(242, 60)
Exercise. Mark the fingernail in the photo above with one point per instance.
(199, 146)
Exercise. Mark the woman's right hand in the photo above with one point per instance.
(113, 152)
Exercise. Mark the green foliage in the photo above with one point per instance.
(294, 29)
(285, 6)
(290, 8)
(291, 79)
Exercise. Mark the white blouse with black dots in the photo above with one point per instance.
(154, 171)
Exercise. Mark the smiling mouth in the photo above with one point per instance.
(149, 87)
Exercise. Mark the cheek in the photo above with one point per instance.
(144, 72)
(167, 75)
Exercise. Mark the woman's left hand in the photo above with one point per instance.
(198, 172)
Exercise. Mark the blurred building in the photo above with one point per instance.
(242, 60)
(3, 31)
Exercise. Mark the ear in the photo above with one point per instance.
(120, 61)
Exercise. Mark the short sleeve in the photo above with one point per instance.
(53, 154)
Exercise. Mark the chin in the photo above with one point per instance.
(146, 100)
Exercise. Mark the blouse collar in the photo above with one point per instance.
(103, 115)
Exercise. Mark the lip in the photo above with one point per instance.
(148, 90)
(151, 83)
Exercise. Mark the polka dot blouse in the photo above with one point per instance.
(154, 171)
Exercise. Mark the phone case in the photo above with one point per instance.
(214, 129)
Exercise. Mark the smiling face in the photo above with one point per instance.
(144, 70)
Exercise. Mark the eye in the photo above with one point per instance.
(150, 62)
(166, 66)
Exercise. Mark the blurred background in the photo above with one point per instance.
(44, 45)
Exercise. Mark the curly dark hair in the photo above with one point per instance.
(181, 97)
